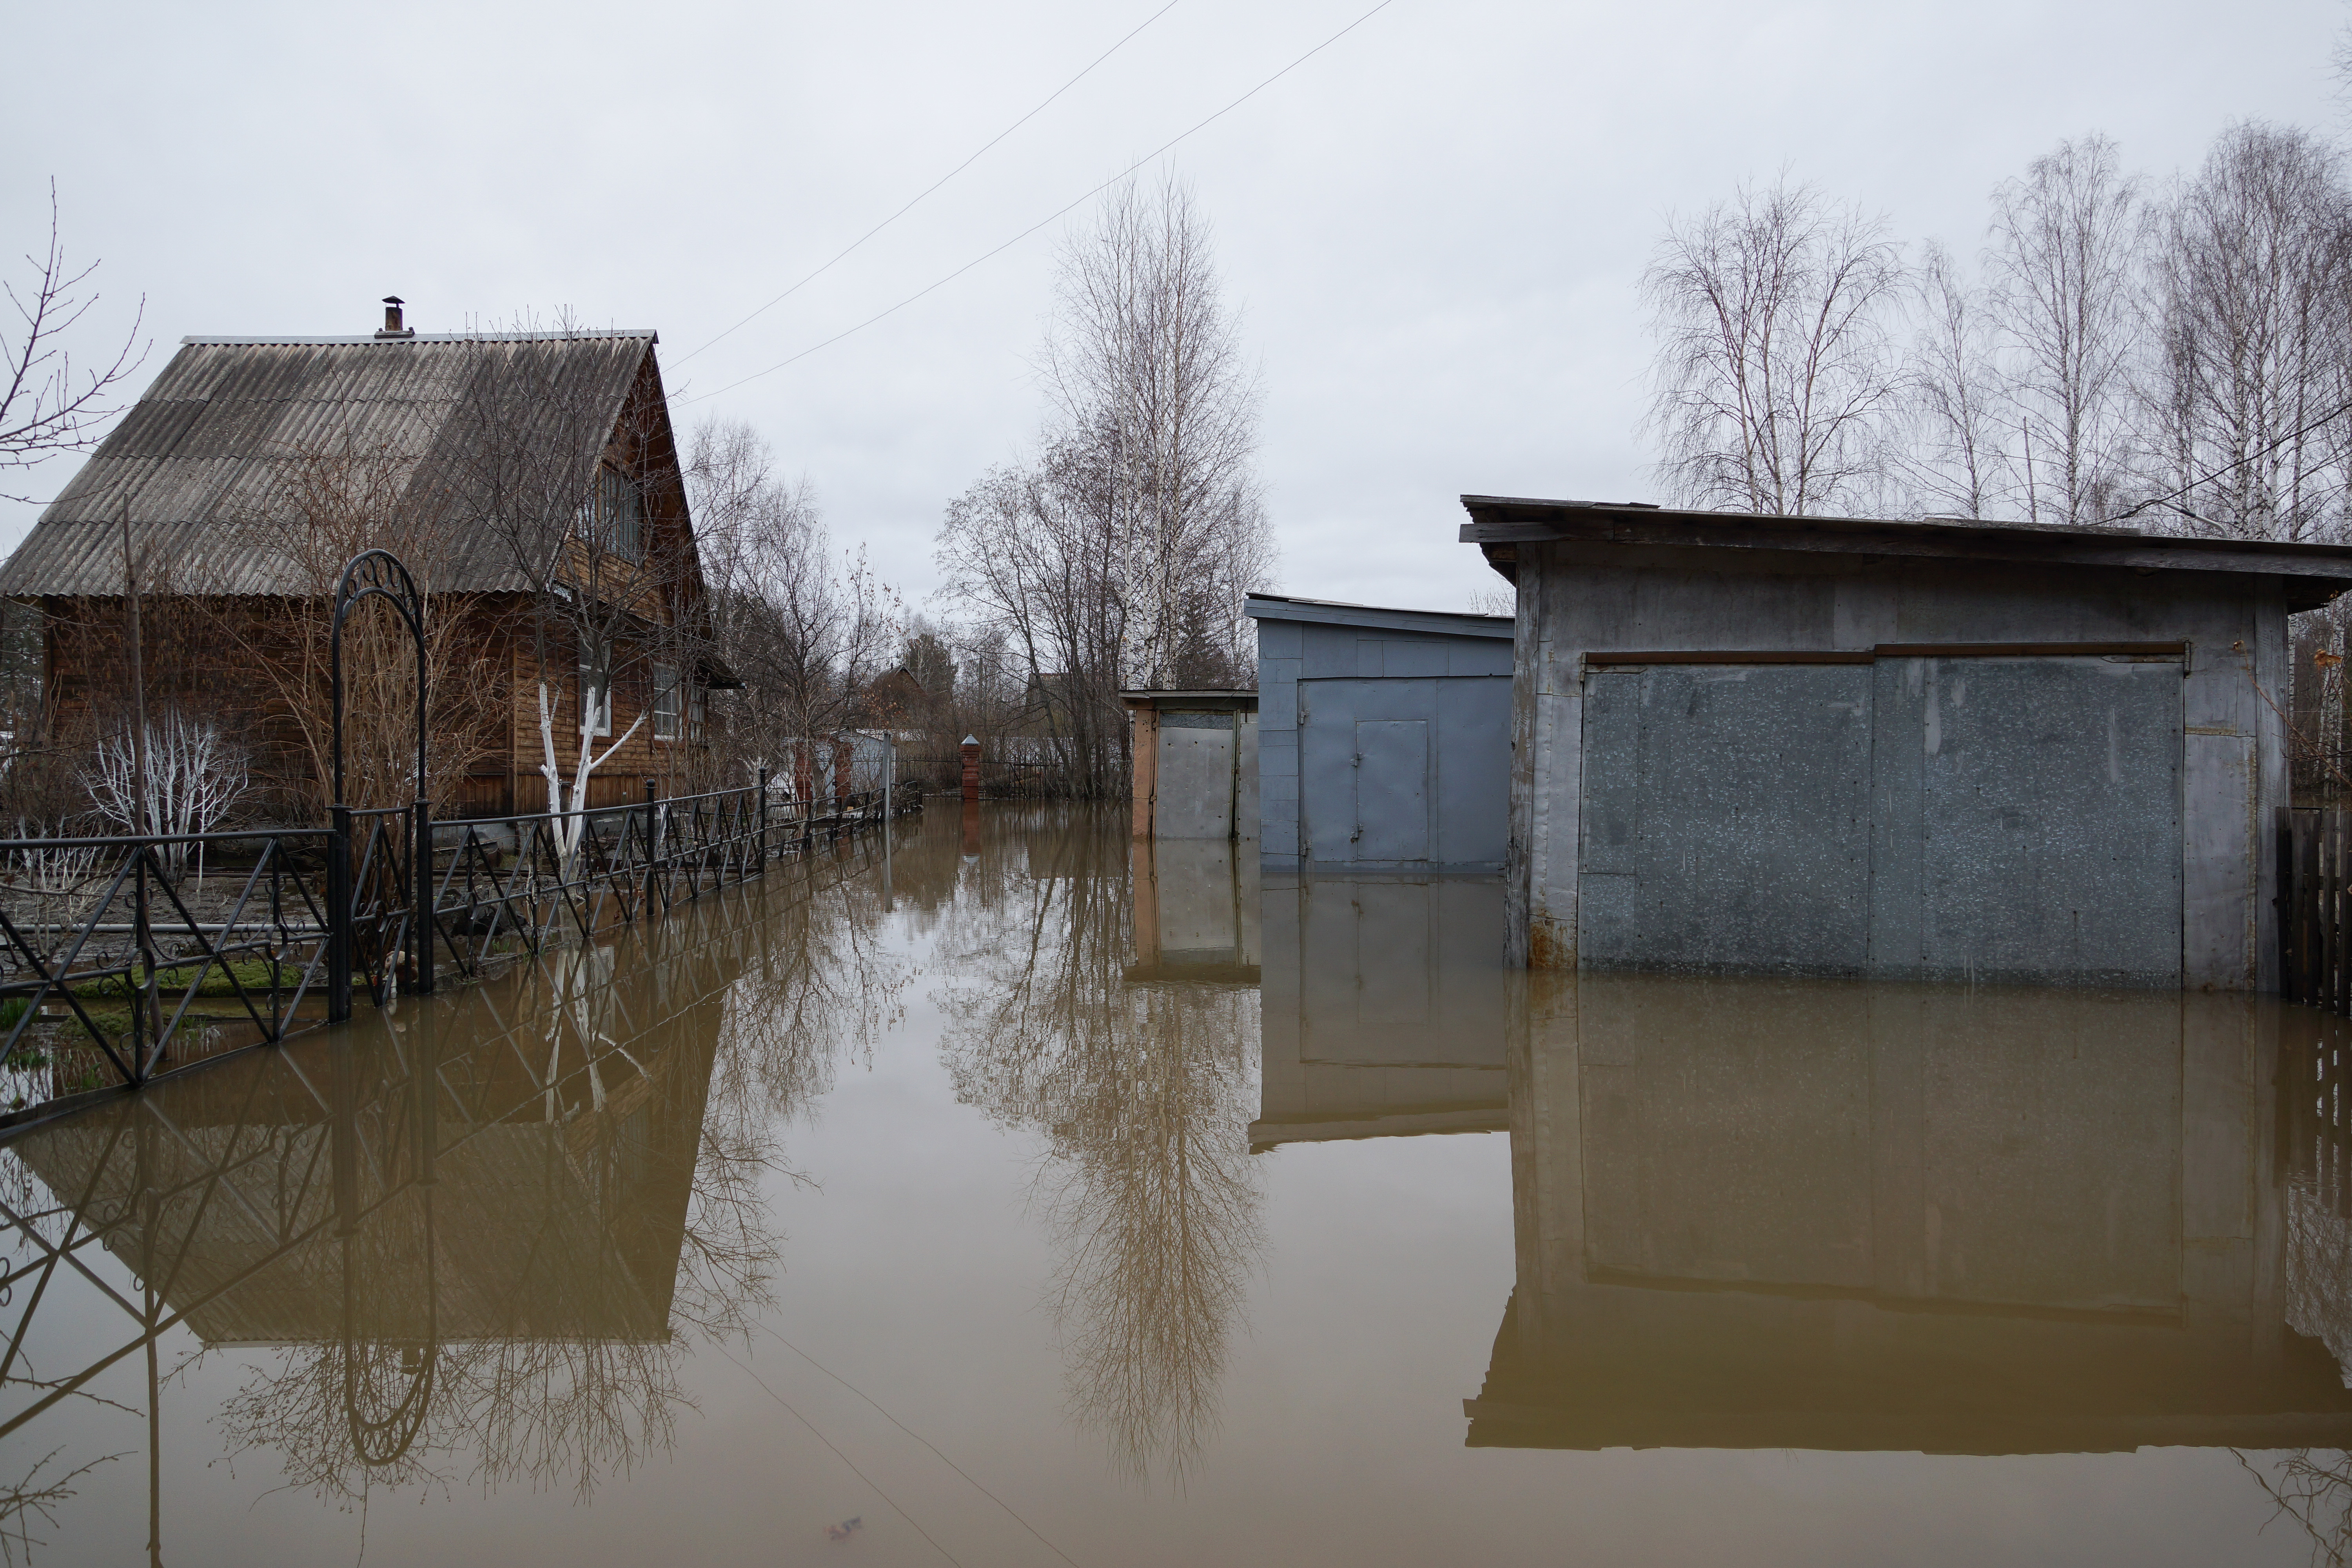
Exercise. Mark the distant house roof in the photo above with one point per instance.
(211, 439)
(1331, 612)
(2312, 574)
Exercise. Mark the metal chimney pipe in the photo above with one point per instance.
(392, 323)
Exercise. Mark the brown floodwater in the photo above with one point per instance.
(1030, 1196)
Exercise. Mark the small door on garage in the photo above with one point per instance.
(1393, 789)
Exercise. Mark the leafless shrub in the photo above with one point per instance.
(184, 780)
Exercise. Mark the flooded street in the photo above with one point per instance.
(1038, 1197)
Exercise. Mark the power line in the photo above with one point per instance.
(2171, 496)
(1052, 217)
(950, 175)
(837, 1454)
(918, 1438)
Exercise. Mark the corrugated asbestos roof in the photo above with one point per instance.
(204, 452)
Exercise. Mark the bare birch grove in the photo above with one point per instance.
(1116, 556)
(2175, 356)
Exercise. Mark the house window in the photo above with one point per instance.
(666, 702)
(596, 693)
(693, 714)
(612, 517)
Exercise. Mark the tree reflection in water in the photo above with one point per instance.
(485, 1237)
(1143, 1092)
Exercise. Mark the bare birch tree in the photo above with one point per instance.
(2253, 275)
(1958, 459)
(1145, 373)
(1775, 379)
(572, 498)
(2066, 240)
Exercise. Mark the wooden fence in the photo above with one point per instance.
(2314, 868)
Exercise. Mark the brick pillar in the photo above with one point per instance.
(971, 770)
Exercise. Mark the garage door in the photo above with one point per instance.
(1405, 774)
(1935, 817)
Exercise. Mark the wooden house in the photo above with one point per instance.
(530, 477)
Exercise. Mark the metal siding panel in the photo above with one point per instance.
(1326, 768)
(1474, 770)
(2051, 844)
(1193, 792)
(1898, 700)
(1612, 761)
(1477, 657)
(1754, 848)
(1327, 653)
(1409, 657)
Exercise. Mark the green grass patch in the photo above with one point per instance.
(253, 973)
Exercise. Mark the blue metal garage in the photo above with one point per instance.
(1384, 736)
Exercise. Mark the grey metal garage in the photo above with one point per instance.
(1938, 748)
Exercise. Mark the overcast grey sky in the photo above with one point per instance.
(1433, 227)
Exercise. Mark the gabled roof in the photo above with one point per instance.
(208, 444)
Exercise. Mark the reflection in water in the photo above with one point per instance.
(1384, 1007)
(1780, 1215)
(485, 1237)
(473, 1248)
(1141, 1088)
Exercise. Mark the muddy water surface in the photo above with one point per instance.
(1031, 1198)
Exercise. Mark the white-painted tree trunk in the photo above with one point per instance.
(569, 809)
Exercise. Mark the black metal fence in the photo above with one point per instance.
(122, 959)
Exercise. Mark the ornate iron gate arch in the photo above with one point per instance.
(378, 575)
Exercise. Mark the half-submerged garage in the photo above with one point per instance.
(1942, 750)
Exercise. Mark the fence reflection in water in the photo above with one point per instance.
(492, 1223)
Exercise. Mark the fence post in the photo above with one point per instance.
(420, 918)
(652, 847)
(142, 995)
(971, 769)
(339, 914)
(763, 819)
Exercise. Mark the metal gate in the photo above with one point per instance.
(1944, 816)
(1406, 774)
